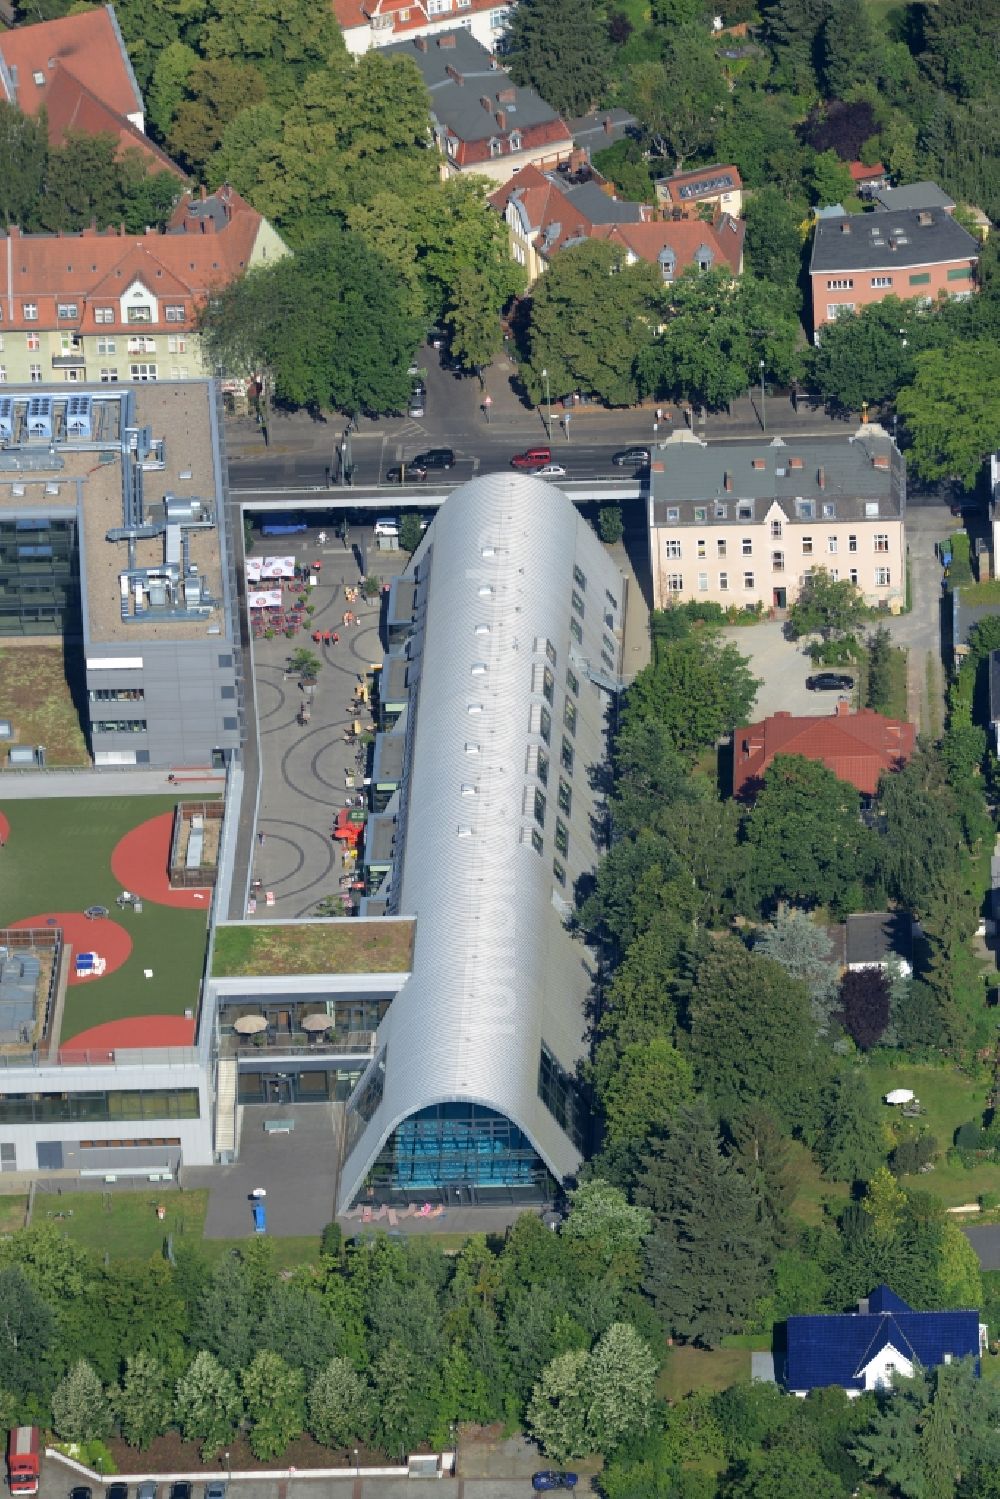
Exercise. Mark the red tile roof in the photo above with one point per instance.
(351, 14)
(857, 747)
(87, 45)
(860, 173)
(684, 236)
(70, 106)
(199, 252)
(546, 133)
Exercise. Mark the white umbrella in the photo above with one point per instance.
(250, 1025)
(900, 1095)
(317, 1023)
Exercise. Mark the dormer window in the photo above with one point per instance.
(667, 261)
(704, 258)
(515, 140)
(496, 147)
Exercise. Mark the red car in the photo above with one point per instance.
(532, 458)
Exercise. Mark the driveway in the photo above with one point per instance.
(782, 666)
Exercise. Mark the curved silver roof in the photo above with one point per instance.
(495, 972)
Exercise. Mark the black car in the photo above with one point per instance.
(551, 1480)
(628, 457)
(180, 1490)
(116, 1491)
(80, 1492)
(416, 472)
(830, 681)
(434, 458)
(217, 1488)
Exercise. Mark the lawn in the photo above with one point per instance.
(950, 1098)
(59, 859)
(35, 694)
(688, 1369)
(12, 1210)
(976, 595)
(347, 946)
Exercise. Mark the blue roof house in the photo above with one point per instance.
(862, 1350)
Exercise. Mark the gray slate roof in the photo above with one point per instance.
(872, 937)
(888, 239)
(696, 473)
(596, 205)
(458, 106)
(602, 128)
(913, 195)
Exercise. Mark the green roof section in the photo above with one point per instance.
(352, 945)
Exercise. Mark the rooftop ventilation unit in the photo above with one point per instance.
(79, 416)
(39, 417)
(6, 418)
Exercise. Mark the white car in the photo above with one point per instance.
(387, 525)
(550, 471)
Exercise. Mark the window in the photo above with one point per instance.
(744, 510)
(35, 374)
(723, 582)
(109, 376)
(841, 283)
(852, 543)
(569, 715)
(829, 510)
(748, 582)
(132, 1103)
(834, 310)
(871, 509)
(537, 841)
(807, 546)
(804, 509)
(962, 273)
(721, 510)
(139, 315)
(777, 562)
(176, 343)
(701, 546)
(550, 652)
(559, 870)
(577, 603)
(831, 545)
(566, 754)
(498, 18)
(562, 837)
(545, 725)
(673, 550)
(881, 541)
(542, 767)
(30, 311)
(880, 281)
(515, 140)
(558, 1091)
(104, 314)
(174, 314)
(8, 1157)
(579, 577)
(575, 631)
(1, 343)
(747, 545)
(69, 343)
(882, 577)
(834, 575)
(673, 512)
(67, 310)
(540, 808)
(34, 343)
(674, 582)
(700, 513)
(572, 681)
(703, 582)
(565, 796)
(142, 371)
(120, 726)
(720, 548)
(496, 147)
(920, 278)
(106, 345)
(775, 530)
(548, 685)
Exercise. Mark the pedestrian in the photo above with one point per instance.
(659, 413)
(336, 638)
(261, 837)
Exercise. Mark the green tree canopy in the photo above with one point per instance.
(827, 606)
(560, 48)
(952, 410)
(698, 688)
(871, 356)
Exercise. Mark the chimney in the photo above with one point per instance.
(795, 463)
(420, 42)
(727, 482)
(453, 73)
(486, 103)
(502, 119)
(845, 226)
(843, 708)
(507, 96)
(204, 192)
(758, 463)
(821, 477)
(447, 39)
(881, 461)
(924, 218)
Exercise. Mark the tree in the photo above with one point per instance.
(610, 524)
(208, 1404)
(785, 1473)
(698, 688)
(806, 837)
(827, 606)
(339, 1405)
(274, 1395)
(620, 1386)
(678, 98)
(938, 1426)
(952, 410)
(792, 30)
(850, 1144)
(80, 1408)
(624, 165)
(403, 1394)
(216, 91)
(27, 1333)
(750, 1033)
(167, 87)
(852, 49)
(284, 39)
(841, 127)
(870, 356)
(143, 1404)
(557, 1413)
(864, 997)
(829, 180)
(600, 1215)
(329, 323)
(560, 48)
(879, 688)
(805, 951)
(590, 314)
(472, 318)
(774, 240)
(23, 159)
(650, 1081)
(707, 1258)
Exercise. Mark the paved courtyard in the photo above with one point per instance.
(782, 665)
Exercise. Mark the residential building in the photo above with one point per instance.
(482, 121)
(510, 618)
(879, 939)
(859, 259)
(864, 1350)
(112, 530)
(602, 128)
(744, 523)
(111, 307)
(913, 195)
(76, 68)
(377, 23)
(868, 180)
(857, 747)
(715, 189)
(546, 211)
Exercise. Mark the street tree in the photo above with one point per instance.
(698, 688)
(143, 1405)
(208, 1404)
(952, 410)
(707, 1258)
(557, 1413)
(864, 1000)
(81, 1411)
(872, 355)
(560, 48)
(830, 607)
(591, 313)
(274, 1396)
(339, 1405)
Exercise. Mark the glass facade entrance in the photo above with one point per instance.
(39, 577)
(459, 1153)
(297, 1085)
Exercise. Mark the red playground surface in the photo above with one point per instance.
(139, 1031)
(139, 863)
(4, 827)
(109, 940)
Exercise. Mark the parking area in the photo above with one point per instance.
(782, 667)
(57, 1482)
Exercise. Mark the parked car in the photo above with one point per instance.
(414, 472)
(387, 525)
(180, 1490)
(146, 1490)
(415, 405)
(80, 1492)
(434, 458)
(551, 1480)
(531, 459)
(437, 338)
(830, 681)
(216, 1488)
(550, 471)
(630, 457)
(116, 1491)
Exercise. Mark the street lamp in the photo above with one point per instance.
(229, 1468)
(357, 1465)
(763, 399)
(548, 403)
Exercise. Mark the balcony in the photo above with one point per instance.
(267, 1045)
(69, 361)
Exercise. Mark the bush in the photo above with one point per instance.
(989, 1201)
(610, 524)
(912, 1155)
(844, 652)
